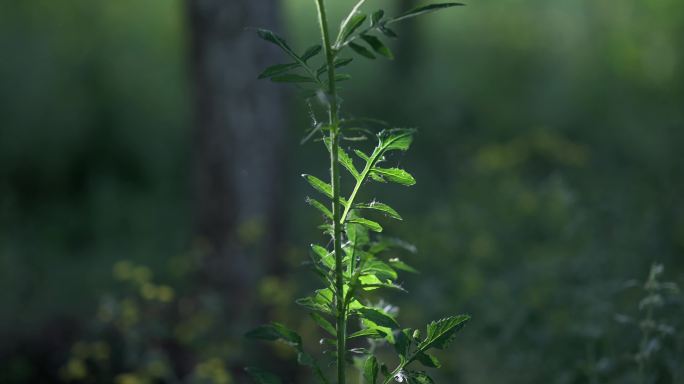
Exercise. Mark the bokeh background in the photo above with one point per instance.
(151, 209)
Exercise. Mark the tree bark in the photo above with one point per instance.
(238, 130)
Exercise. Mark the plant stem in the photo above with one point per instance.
(341, 319)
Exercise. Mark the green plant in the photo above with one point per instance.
(352, 269)
(654, 329)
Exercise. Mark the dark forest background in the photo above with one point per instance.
(151, 209)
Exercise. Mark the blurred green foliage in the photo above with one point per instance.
(549, 168)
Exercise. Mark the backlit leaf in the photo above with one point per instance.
(322, 208)
(384, 208)
(378, 317)
(370, 370)
(396, 175)
(440, 333)
(372, 225)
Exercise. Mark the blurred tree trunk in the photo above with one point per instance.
(238, 130)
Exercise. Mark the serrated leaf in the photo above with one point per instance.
(292, 78)
(320, 301)
(376, 17)
(324, 256)
(278, 69)
(351, 26)
(311, 52)
(384, 208)
(370, 224)
(361, 50)
(428, 360)
(423, 10)
(440, 333)
(347, 163)
(378, 317)
(323, 323)
(378, 46)
(322, 208)
(275, 332)
(370, 370)
(396, 139)
(262, 377)
(395, 175)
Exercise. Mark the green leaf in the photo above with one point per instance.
(361, 155)
(339, 63)
(351, 26)
(380, 269)
(396, 139)
(423, 10)
(378, 317)
(402, 345)
(347, 163)
(342, 77)
(311, 52)
(322, 187)
(370, 370)
(325, 257)
(372, 225)
(262, 377)
(292, 78)
(271, 37)
(323, 323)
(370, 282)
(378, 46)
(388, 32)
(384, 208)
(275, 332)
(440, 333)
(318, 205)
(396, 175)
(319, 185)
(361, 50)
(376, 17)
(418, 377)
(278, 69)
(368, 332)
(400, 265)
(320, 301)
(428, 360)
(357, 234)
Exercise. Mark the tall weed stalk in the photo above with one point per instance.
(353, 266)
